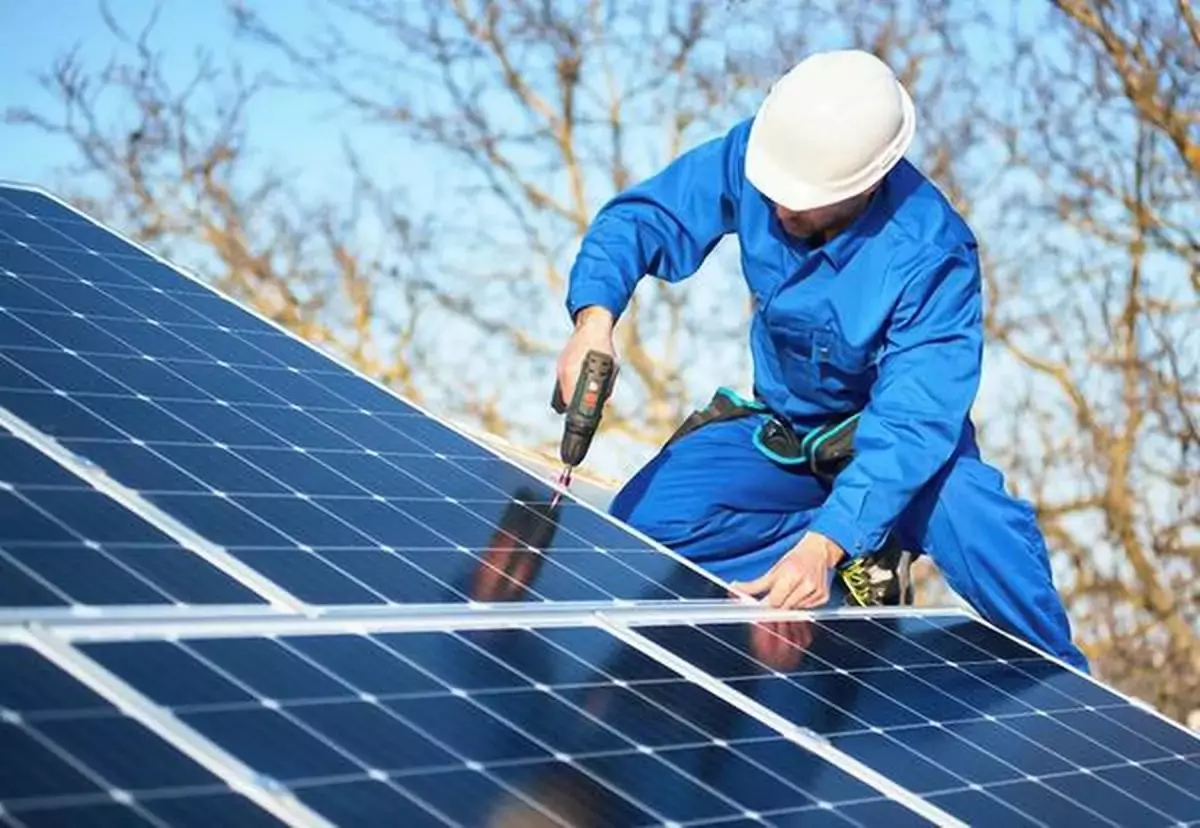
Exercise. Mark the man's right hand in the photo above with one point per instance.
(593, 332)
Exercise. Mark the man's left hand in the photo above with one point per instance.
(800, 579)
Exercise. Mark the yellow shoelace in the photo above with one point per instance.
(856, 580)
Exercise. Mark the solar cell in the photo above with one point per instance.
(464, 726)
(339, 492)
(960, 714)
(64, 543)
(70, 757)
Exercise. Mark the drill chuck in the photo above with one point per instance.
(575, 445)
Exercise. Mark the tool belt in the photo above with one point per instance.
(823, 451)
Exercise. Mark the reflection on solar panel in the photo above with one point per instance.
(268, 591)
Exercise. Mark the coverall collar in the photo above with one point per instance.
(841, 248)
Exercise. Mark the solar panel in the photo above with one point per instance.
(242, 585)
(408, 726)
(960, 714)
(337, 490)
(63, 543)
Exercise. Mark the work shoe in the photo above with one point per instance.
(881, 579)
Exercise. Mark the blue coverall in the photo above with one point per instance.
(884, 319)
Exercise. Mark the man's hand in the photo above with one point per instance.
(593, 332)
(801, 577)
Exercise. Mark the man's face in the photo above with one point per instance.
(822, 220)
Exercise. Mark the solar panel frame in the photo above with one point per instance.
(617, 564)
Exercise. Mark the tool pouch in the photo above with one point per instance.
(830, 448)
(823, 452)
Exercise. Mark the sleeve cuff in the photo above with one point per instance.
(587, 294)
(844, 531)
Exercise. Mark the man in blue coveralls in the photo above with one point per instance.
(867, 327)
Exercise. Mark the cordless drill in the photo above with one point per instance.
(596, 377)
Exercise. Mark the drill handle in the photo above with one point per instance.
(596, 377)
(595, 364)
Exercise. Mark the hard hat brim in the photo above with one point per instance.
(770, 177)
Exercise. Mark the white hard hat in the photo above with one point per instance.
(828, 130)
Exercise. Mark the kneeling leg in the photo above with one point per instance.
(717, 501)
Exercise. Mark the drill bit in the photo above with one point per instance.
(564, 480)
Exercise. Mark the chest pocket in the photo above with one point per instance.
(817, 358)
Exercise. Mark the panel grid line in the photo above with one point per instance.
(377, 774)
(1004, 720)
(91, 544)
(549, 691)
(797, 733)
(35, 576)
(448, 690)
(1080, 733)
(81, 539)
(634, 684)
(985, 717)
(190, 540)
(79, 766)
(129, 701)
(355, 693)
(1132, 700)
(981, 716)
(610, 679)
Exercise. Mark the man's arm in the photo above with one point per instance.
(928, 379)
(664, 226)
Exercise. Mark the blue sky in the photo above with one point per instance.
(30, 41)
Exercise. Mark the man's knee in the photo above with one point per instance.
(713, 471)
(657, 500)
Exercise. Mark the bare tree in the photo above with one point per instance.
(542, 112)
(1098, 311)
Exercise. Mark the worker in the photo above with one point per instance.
(866, 329)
